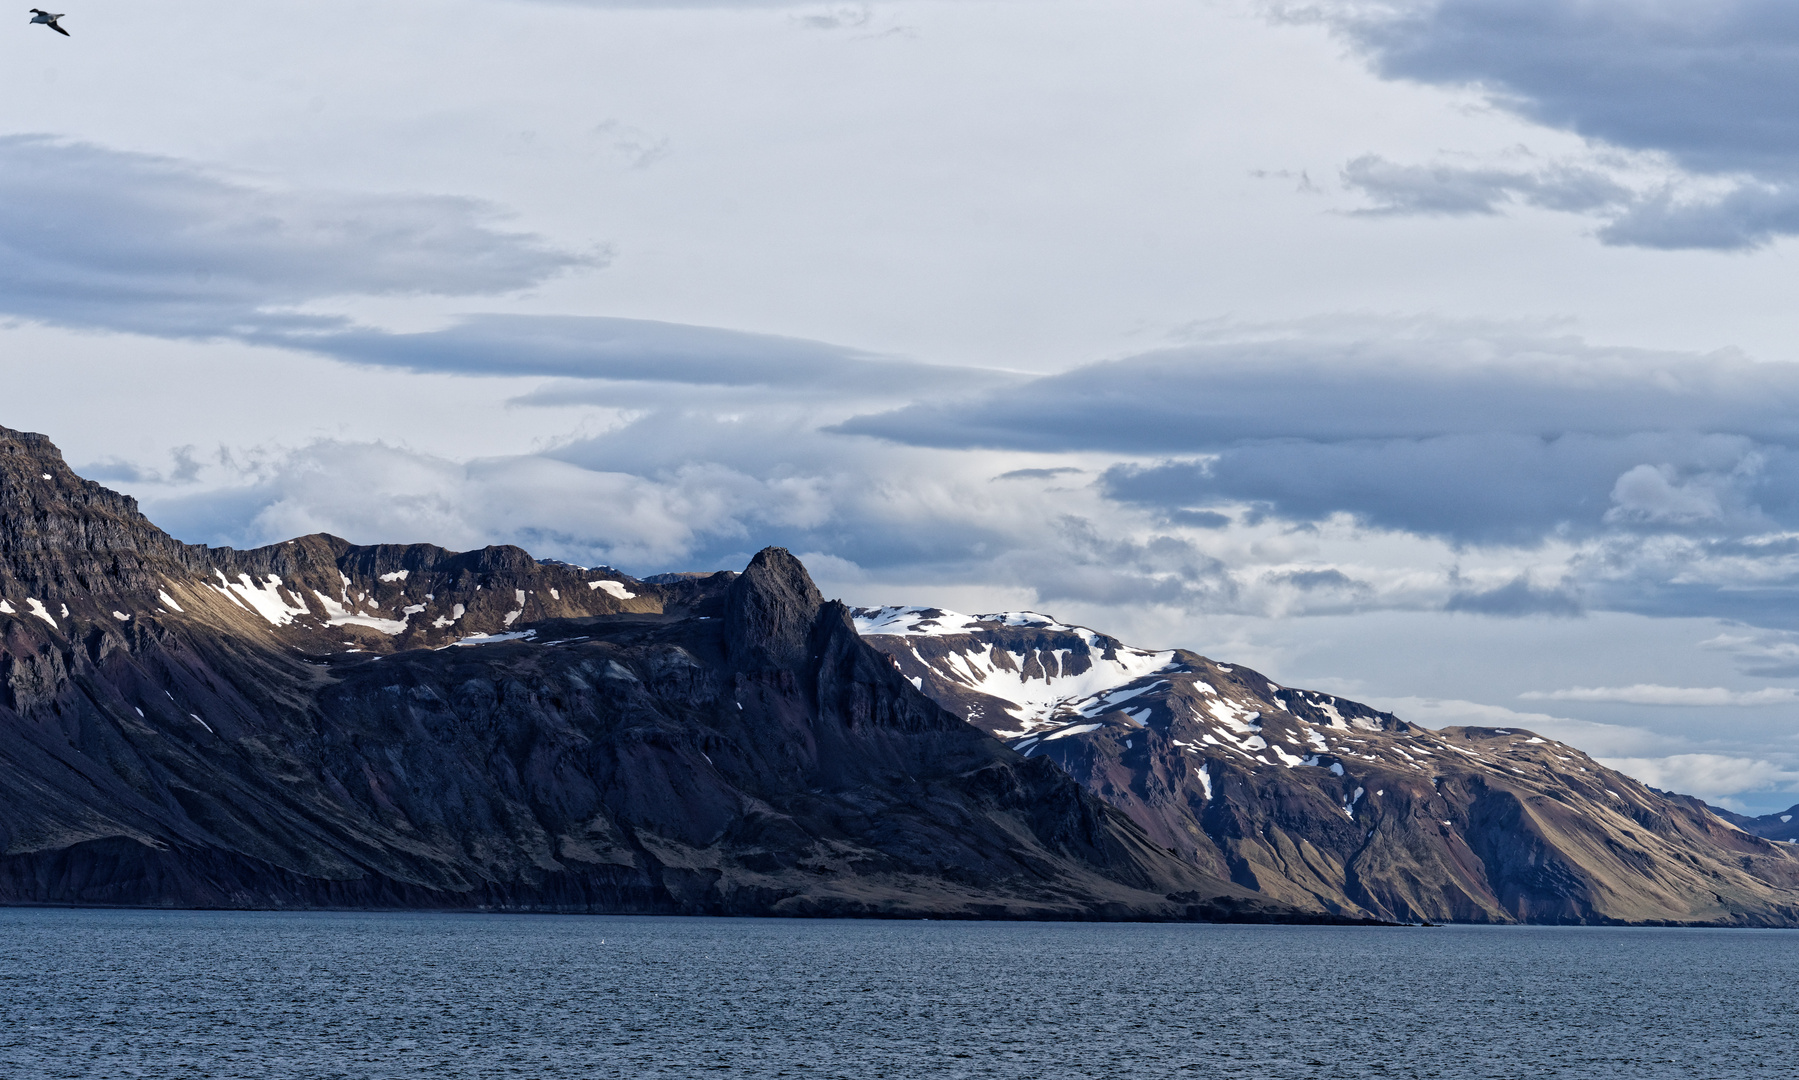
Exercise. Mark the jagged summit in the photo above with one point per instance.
(770, 611)
(81, 552)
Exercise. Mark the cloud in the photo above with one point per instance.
(1706, 87)
(687, 484)
(1749, 578)
(102, 239)
(1651, 694)
(1316, 471)
(1398, 381)
(1517, 597)
(1454, 191)
(838, 18)
(1656, 760)
(1326, 581)
(551, 507)
(1589, 736)
(1767, 654)
(1673, 214)
(1652, 493)
(1710, 85)
(1595, 479)
(1197, 519)
(186, 469)
(1477, 438)
(1038, 474)
(1712, 777)
(1749, 215)
(641, 350)
(1475, 488)
(641, 148)
(678, 4)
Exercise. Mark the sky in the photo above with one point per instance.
(1441, 354)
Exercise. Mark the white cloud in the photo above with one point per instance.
(1712, 777)
(1765, 653)
(1650, 493)
(97, 238)
(1456, 189)
(1586, 735)
(1651, 694)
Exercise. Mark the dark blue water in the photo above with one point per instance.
(200, 994)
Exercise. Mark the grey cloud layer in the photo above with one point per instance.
(590, 347)
(1712, 87)
(1495, 442)
(1397, 387)
(98, 238)
(1458, 190)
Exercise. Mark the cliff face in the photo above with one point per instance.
(321, 724)
(1313, 799)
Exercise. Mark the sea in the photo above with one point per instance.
(165, 994)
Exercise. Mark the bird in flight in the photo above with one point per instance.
(48, 20)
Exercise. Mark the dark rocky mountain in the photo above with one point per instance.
(317, 723)
(1314, 800)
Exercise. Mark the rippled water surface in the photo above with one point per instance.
(204, 994)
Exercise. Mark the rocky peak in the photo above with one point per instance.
(79, 560)
(59, 532)
(770, 612)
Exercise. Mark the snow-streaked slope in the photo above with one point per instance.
(1313, 798)
(1085, 677)
(1024, 676)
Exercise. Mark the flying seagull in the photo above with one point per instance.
(48, 20)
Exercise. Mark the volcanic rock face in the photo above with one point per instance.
(1312, 799)
(322, 724)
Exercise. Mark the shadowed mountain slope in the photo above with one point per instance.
(317, 723)
(1309, 798)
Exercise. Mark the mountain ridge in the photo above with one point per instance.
(1313, 798)
(317, 723)
(322, 724)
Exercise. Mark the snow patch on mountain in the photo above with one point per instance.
(264, 598)
(37, 608)
(1040, 687)
(913, 622)
(494, 639)
(337, 614)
